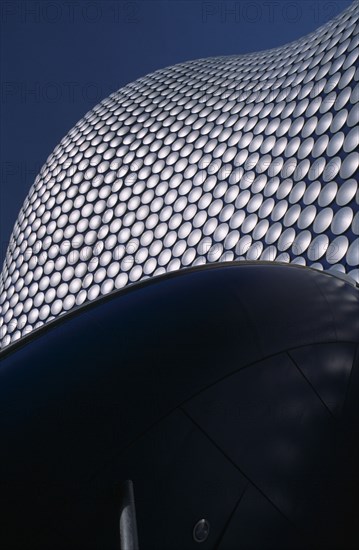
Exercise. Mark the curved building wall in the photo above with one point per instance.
(227, 158)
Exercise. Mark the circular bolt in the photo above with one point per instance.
(201, 530)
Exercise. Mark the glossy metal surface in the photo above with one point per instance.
(215, 146)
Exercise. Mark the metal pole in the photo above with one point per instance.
(127, 518)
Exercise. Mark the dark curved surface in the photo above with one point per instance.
(227, 393)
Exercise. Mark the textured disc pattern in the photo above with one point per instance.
(228, 158)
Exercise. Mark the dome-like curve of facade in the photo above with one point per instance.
(227, 158)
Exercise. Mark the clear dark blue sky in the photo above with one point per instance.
(60, 57)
